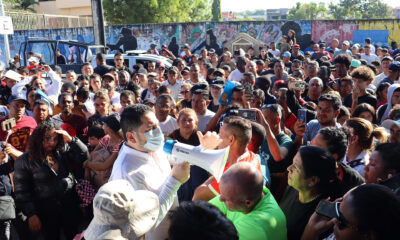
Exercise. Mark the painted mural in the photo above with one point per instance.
(215, 34)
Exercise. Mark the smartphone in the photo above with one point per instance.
(8, 124)
(247, 114)
(297, 85)
(247, 88)
(327, 209)
(302, 115)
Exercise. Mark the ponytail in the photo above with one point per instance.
(380, 135)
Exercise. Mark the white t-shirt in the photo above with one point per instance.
(175, 89)
(378, 79)
(115, 99)
(168, 126)
(235, 75)
(152, 172)
(276, 53)
(370, 58)
(204, 120)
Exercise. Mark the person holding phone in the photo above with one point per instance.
(44, 183)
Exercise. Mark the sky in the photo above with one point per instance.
(242, 5)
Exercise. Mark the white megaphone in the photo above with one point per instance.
(213, 161)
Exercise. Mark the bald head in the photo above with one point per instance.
(247, 180)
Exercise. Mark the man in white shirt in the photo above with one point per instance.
(110, 84)
(142, 162)
(195, 74)
(386, 61)
(200, 101)
(368, 56)
(164, 105)
(173, 83)
(237, 74)
(272, 49)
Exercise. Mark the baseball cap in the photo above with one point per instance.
(160, 64)
(117, 206)
(186, 46)
(112, 121)
(287, 54)
(322, 45)
(33, 59)
(220, 71)
(13, 75)
(17, 96)
(296, 46)
(152, 74)
(199, 88)
(218, 82)
(109, 75)
(388, 123)
(347, 43)
(153, 46)
(142, 71)
(355, 63)
(394, 66)
(385, 45)
(212, 51)
(173, 69)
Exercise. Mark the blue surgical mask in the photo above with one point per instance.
(154, 139)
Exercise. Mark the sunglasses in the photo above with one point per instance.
(342, 223)
(184, 92)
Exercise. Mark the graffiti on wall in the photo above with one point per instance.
(214, 35)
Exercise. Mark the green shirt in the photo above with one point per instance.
(265, 221)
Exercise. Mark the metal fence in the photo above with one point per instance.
(33, 21)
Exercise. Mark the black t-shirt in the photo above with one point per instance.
(350, 178)
(348, 101)
(368, 98)
(212, 107)
(297, 213)
(61, 59)
(102, 69)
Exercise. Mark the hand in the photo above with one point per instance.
(47, 68)
(260, 117)
(222, 108)
(299, 128)
(65, 134)
(181, 172)
(210, 140)
(3, 157)
(246, 99)
(356, 93)
(34, 223)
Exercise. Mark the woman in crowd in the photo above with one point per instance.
(185, 93)
(312, 177)
(102, 107)
(369, 211)
(381, 93)
(102, 158)
(365, 111)
(44, 184)
(361, 139)
(95, 83)
(30, 97)
(187, 133)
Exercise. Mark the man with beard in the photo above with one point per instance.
(24, 126)
(74, 124)
(327, 112)
(109, 83)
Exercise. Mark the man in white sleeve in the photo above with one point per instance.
(142, 162)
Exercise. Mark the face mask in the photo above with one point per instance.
(154, 139)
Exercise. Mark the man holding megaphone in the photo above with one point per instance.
(235, 133)
(142, 162)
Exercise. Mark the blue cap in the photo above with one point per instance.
(385, 45)
(287, 54)
(168, 145)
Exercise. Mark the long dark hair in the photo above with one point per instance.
(320, 163)
(36, 150)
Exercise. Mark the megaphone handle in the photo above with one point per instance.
(3, 144)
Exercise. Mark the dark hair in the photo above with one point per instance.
(320, 163)
(365, 132)
(131, 117)
(127, 93)
(96, 131)
(380, 88)
(199, 220)
(118, 54)
(343, 59)
(373, 68)
(101, 57)
(364, 73)
(250, 75)
(336, 141)
(377, 211)
(343, 111)
(64, 94)
(36, 150)
(83, 92)
(133, 87)
(260, 94)
(240, 128)
(365, 107)
(165, 97)
(258, 135)
(69, 85)
(390, 154)
(83, 77)
(40, 102)
(333, 99)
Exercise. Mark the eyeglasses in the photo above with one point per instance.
(184, 92)
(342, 223)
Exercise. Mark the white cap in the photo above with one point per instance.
(13, 75)
(118, 208)
(33, 59)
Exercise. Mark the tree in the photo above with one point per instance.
(216, 11)
(25, 5)
(156, 11)
(360, 9)
(307, 11)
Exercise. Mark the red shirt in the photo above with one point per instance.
(19, 137)
(251, 158)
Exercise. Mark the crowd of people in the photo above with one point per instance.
(303, 128)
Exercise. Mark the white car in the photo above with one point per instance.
(137, 56)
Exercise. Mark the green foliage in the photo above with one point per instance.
(156, 11)
(216, 11)
(307, 11)
(25, 5)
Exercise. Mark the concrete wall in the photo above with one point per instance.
(213, 35)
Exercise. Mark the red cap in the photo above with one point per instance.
(296, 46)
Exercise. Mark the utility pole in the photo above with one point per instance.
(98, 22)
(6, 44)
